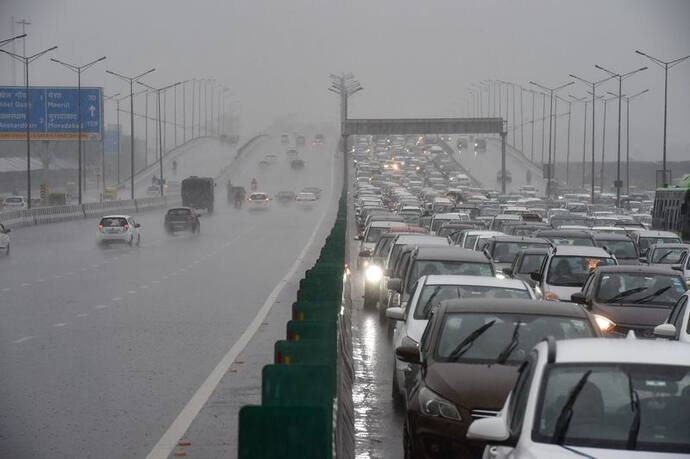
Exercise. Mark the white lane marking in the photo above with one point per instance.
(131, 292)
(117, 298)
(144, 286)
(22, 339)
(26, 284)
(103, 306)
(116, 258)
(40, 280)
(164, 277)
(155, 282)
(177, 429)
(95, 266)
(57, 276)
(6, 289)
(84, 269)
(83, 314)
(69, 273)
(58, 325)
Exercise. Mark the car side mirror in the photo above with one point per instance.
(137, 225)
(643, 260)
(579, 298)
(491, 430)
(358, 237)
(365, 253)
(508, 271)
(395, 313)
(408, 354)
(535, 276)
(665, 331)
(395, 284)
(677, 267)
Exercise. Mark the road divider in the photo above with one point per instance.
(301, 390)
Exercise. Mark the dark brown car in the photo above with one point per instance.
(469, 356)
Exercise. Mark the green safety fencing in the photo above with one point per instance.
(299, 391)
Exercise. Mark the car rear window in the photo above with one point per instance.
(112, 222)
(431, 267)
(181, 212)
(432, 295)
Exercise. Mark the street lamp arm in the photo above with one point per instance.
(13, 55)
(69, 66)
(606, 70)
(8, 40)
(37, 55)
(145, 73)
(563, 86)
(539, 86)
(675, 62)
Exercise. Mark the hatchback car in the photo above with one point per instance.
(676, 256)
(15, 202)
(118, 229)
(428, 294)
(577, 398)
(625, 298)
(469, 358)
(182, 219)
(259, 201)
(621, 245)
(526, 261)
(502, 249)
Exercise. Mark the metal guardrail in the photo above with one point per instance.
(43, 215)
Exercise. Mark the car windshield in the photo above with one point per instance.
(374, 233)
(258, 197)
(13, 200)
(582, 241)
(604, 412)
(487, 347)
(470, 240)
(646, 242)
(640, 288)
(432, 295)
(111, 222)
(531, 263)
(664, 256)
(504, 252)
(622, 249)
(429, 267)
(572, 270)
(180, 212)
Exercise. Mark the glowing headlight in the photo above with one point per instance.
(373, 274)
(500, 276)
(605, 324)
(432, 404)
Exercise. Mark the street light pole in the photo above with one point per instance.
(131, 118)
(603, 143)
(594, 85)
(627, 135)
(552, 90)
(114, 96)
(620, 77)
(666, 65)
(344, 85)
(26, 60)
(584, 130)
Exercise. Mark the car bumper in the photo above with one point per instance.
(122, 237)
(435, 437)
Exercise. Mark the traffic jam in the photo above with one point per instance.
(520, 326)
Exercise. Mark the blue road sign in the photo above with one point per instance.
(53, 113)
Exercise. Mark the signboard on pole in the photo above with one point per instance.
(53, 113)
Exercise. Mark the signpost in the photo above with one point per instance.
(53, 113)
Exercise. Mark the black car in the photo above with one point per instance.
(525, 262)
(502, 249)
(621, 245)
(182, 219)
(625, 298)
(568, 237)
(297, 164)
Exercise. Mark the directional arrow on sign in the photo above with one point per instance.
(92, 109)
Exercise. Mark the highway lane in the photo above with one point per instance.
(100, 349)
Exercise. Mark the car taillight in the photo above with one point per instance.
(100, 228)
(126, 227)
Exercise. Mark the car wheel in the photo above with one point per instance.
(398, 399)
(408, 449)
(131, 241)
(7, 249)
(138, 239)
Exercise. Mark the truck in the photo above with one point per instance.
(197, 192)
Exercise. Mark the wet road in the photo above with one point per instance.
(101, 349)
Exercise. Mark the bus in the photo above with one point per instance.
(671, 211)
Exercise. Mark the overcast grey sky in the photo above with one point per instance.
(414, 58)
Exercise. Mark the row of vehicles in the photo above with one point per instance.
(522, 328)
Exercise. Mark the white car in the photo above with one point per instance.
(259, 200)
(15, 202)
(567, 267)
(469, 238)
(4, 239)
(428, 293)
(624, 398)
(153, 191)
(118, 229)
(305, 197)
(677, 325)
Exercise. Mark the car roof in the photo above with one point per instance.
(671, 246)
(180, 208)
(608, 236)
(512, 306)
(420, 239)
(382, 223)
(656, 270)
(564, 233)
(641, 351)
(450, 253)
(534, 240)
(484, 281)
(654, 233)
(581, 250)
(116, 216)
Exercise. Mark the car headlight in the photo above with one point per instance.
(373, 274)
(432, 404)
(550, 296)
(500, 275)
(605, 324)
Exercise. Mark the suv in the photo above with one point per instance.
(621, 245)
(584, 398)
(525, 262)
(502, 249)
(644, 239)
(566, 268)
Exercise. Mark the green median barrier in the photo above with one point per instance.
(305, 352)
(298, 385)
(320, 293)
(326, 330)
(322, 310)
(283, 432)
